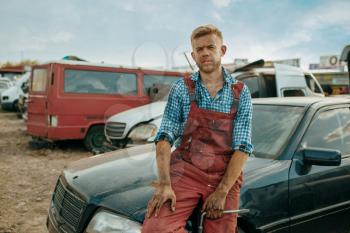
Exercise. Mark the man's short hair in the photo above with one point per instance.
(206, 30)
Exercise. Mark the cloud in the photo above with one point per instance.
(331, 14)
(59, 37)
(294, 38)
(221, 3)
(217, 16)
(29, 42)
(139, 6)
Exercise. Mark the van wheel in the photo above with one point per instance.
(94, 138)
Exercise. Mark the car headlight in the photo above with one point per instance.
(143, 132)
(107, 222)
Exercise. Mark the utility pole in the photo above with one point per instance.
(345, 56)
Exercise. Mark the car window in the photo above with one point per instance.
(330, 130)
(272, 126)
(150, 81)
(3, 85)
(253, 85)
(98, 82)
(39, 80)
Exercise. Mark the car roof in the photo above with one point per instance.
(83, 63)
(302, 101)
(266, 71)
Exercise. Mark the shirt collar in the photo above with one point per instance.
(227, 77)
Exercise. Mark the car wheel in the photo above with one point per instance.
(19, 114)
(94, 138)
(15, 106)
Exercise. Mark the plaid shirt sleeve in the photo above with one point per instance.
(171, 126)
(243, 123)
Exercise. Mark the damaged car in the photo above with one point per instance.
(297, 179)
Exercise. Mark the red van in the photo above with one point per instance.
(72, 99)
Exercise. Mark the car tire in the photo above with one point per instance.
(19, 114)
(95, 138)
(240, 230)
(15, 106)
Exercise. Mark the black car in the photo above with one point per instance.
(298, 179)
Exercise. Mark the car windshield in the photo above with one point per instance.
(3, 85)
(272, 126)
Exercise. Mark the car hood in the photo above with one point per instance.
(140, 114)
(126, 175)
(12, 92)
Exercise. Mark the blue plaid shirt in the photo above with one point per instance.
(178, 107)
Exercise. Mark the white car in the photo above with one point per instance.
(5, 84)
(279, 81)
(9, 97)
(140, 125)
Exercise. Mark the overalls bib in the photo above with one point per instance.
(197, 167)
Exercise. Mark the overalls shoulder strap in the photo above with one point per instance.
(191, 88)
(236, 93)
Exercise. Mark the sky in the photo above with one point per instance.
(155, 33)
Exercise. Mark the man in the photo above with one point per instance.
(210, 113)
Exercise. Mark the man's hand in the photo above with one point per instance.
(162, 194)
(214, 205)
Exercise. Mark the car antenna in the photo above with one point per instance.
(188, 61)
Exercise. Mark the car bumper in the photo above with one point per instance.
(7, 106)
(50, 225)
(54, 226)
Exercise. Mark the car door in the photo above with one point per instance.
(320, 195)
(290, 80)
(37, 124)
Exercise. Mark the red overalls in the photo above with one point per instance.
(197, 167)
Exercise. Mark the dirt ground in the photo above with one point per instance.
(28, 176)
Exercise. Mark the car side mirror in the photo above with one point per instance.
(322, 157)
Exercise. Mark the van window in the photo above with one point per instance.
(39, 80)
(253, 86)
(151, 80)
(293, 92)
(312, 84)
(270, 83)
(98, 82)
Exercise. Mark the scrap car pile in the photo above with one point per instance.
(301, 138)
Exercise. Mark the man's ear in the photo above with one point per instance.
(223, 50)
(192, 55)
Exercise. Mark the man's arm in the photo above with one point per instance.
(215, 203)
(164, 191)
(234, 169)
(166, 136)
(163, 162)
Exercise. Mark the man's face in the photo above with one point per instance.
(207, 52)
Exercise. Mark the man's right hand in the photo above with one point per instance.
(162, 194)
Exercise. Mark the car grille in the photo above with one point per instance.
(115, 129)
(68, 206)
